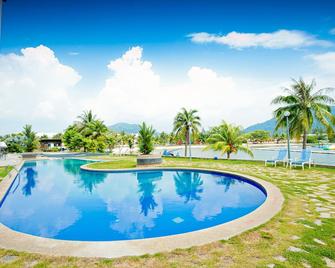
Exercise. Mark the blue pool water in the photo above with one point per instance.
(55, 199)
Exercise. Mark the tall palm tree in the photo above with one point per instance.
(228, 139)
(186, 122)
(305, 104)
(86, 118)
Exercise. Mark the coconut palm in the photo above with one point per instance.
(86, 118)
(228, 139)
(306, 105)
(96, 129)
(186, 122)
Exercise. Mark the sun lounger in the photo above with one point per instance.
(281, 157)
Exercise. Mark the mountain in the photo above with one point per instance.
(270, 124)
(125, 127)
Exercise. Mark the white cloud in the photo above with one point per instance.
(34, 86)
(275, 40)
(332, 31)
(325, 61)
(134, 93)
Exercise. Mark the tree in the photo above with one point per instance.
(95, 129)
(87, 117)
(89, 134)
(305, 105)
(186, 122)
(259, 136)
(228, 139)
(279, 136)
(163, 138)
(130, 141)
(14, 142)
(57, 136)
(203, 136)
(111, 141)
(145, 139)
(72, 139)
(30, 139)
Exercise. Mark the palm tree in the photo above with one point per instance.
(186, 122)
(86, 118)
(96, 129)
(228, 139)
(305, 104)
(146, 139)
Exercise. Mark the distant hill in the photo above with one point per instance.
(125, 127)
(269, 125)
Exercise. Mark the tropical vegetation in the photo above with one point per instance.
(227, 139)
(146, 139)
(88, 134)
(186, 124)
(305, 105)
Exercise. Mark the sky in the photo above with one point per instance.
(134, 61)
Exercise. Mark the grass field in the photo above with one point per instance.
(301, 235)
(4, 171)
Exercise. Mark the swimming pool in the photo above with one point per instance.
(56, 199)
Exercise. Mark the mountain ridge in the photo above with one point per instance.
(269, 125)
(125, 127)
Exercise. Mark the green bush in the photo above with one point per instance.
(146, 139)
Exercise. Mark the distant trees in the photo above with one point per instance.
(258, 136)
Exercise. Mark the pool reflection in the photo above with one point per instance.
(147, 186)
(189, 185)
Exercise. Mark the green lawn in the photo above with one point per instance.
(306, 224)
(4, 171)
(115, 163)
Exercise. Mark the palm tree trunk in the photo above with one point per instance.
(228, 155)
(304, 140)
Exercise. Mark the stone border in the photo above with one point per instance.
(11, 239)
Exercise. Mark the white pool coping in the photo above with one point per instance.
(10, 239)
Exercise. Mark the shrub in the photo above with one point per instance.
(146, 139)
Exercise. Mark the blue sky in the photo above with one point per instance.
(87, 35)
